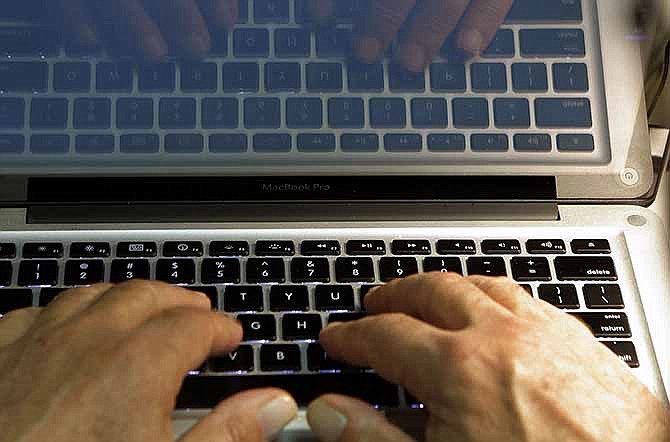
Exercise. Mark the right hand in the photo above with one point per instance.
(490, 363)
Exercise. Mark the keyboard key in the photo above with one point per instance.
(241, 77)
(182, 249)
(94, 144)
(272, 143)
(271, 11)
(229, 248)
(136, 249)
(411, 247)
(49, 144)
(594, 268)
(301, 327)
(529, 77)
(372, 247)
(275, 248)
(552, 43)
(140, 143)
(177, 113)
(532, 142)
(606, 325)
(625, 350)
(446, 142)
(159, 77)
(114, 77)
(176, 271)
(366, 77)
(392, 268)
(243, 11)
(219, 36)
(43, 250)
(310, 270)
(446, 77)
(38, 273)
(92, 113)
(280, 357)
(72, 77)
(84, 272)
(24, 76)
(5, 273)
(334, 297)
(502, 45)
(403, 142)
(443, 265)
(211, 292)
(184, 143)
(289, 298)
(511, 113)
(324, 77)
(228, 143)
(134, 113)
(365, 289)
(590, 246)
(208, 391)
(575, 142)
(265, 270)
(429, 113)
(489, 142)
(243, 298)
(532, 11)
(402, 80)
(304, 113)
(318, 360)
(258, 327)
(49, 113)
(316, 142)
(346, 113)
(15, 299)
(220, 113)
(239, 360)
(48, 294)
(546, 246)
(563, 296)
(282, 77)
(12, 113)
(220, 271)
(25, 41)
(262, 113)
(7, 250)
(388, 113)
(603, 296)
(488, 77)
(345, 317)
(354, 270)
(486, 266)
(570, 77)
(470, 112)
(320, 248)
(531, 269)
(359, 142)
(127, 269)
(199, 77)
(333, 42)
(501, 247)
(251, 42)
(291, 43)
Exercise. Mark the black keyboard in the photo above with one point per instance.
(285, 291)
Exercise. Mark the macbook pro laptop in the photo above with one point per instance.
(285, 180)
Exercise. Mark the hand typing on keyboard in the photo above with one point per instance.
(490, 363)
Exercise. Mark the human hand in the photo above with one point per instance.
(425, 26)
(105, 363)
(148, 27)
(490, 363)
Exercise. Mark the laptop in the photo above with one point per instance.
(285, 180)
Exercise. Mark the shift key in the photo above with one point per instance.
(606, 325)
(592, 268)
(563, 112)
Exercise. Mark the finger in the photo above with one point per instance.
(133, 27)
(180, 339)
(76, 18)
(433, 21)
(220, 12)
(380, 25)
(321, 10)
(335, 418)
(16, 323)
(403, 350)
(72, 302)
(183, 26)
(480, 24)
(506, 292)
(251, 416)
(127, 305)
(445, 300)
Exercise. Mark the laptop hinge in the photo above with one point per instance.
(290, 212)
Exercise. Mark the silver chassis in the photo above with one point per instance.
(642, 254)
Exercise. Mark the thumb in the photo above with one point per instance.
(251, 416)
(335, 418)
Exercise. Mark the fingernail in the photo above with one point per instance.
(412, 57)
(472, 41)
(274, 415)
(155, 46)
(197, 44)
(327, 423)
(368, 49)
(88, 36)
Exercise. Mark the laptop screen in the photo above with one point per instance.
(277, 99)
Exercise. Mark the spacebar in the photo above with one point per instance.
(208, 391)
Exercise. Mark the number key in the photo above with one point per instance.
(127, 269)
(392, 268)
(84, 272)
(220, 271)
(310, 270)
